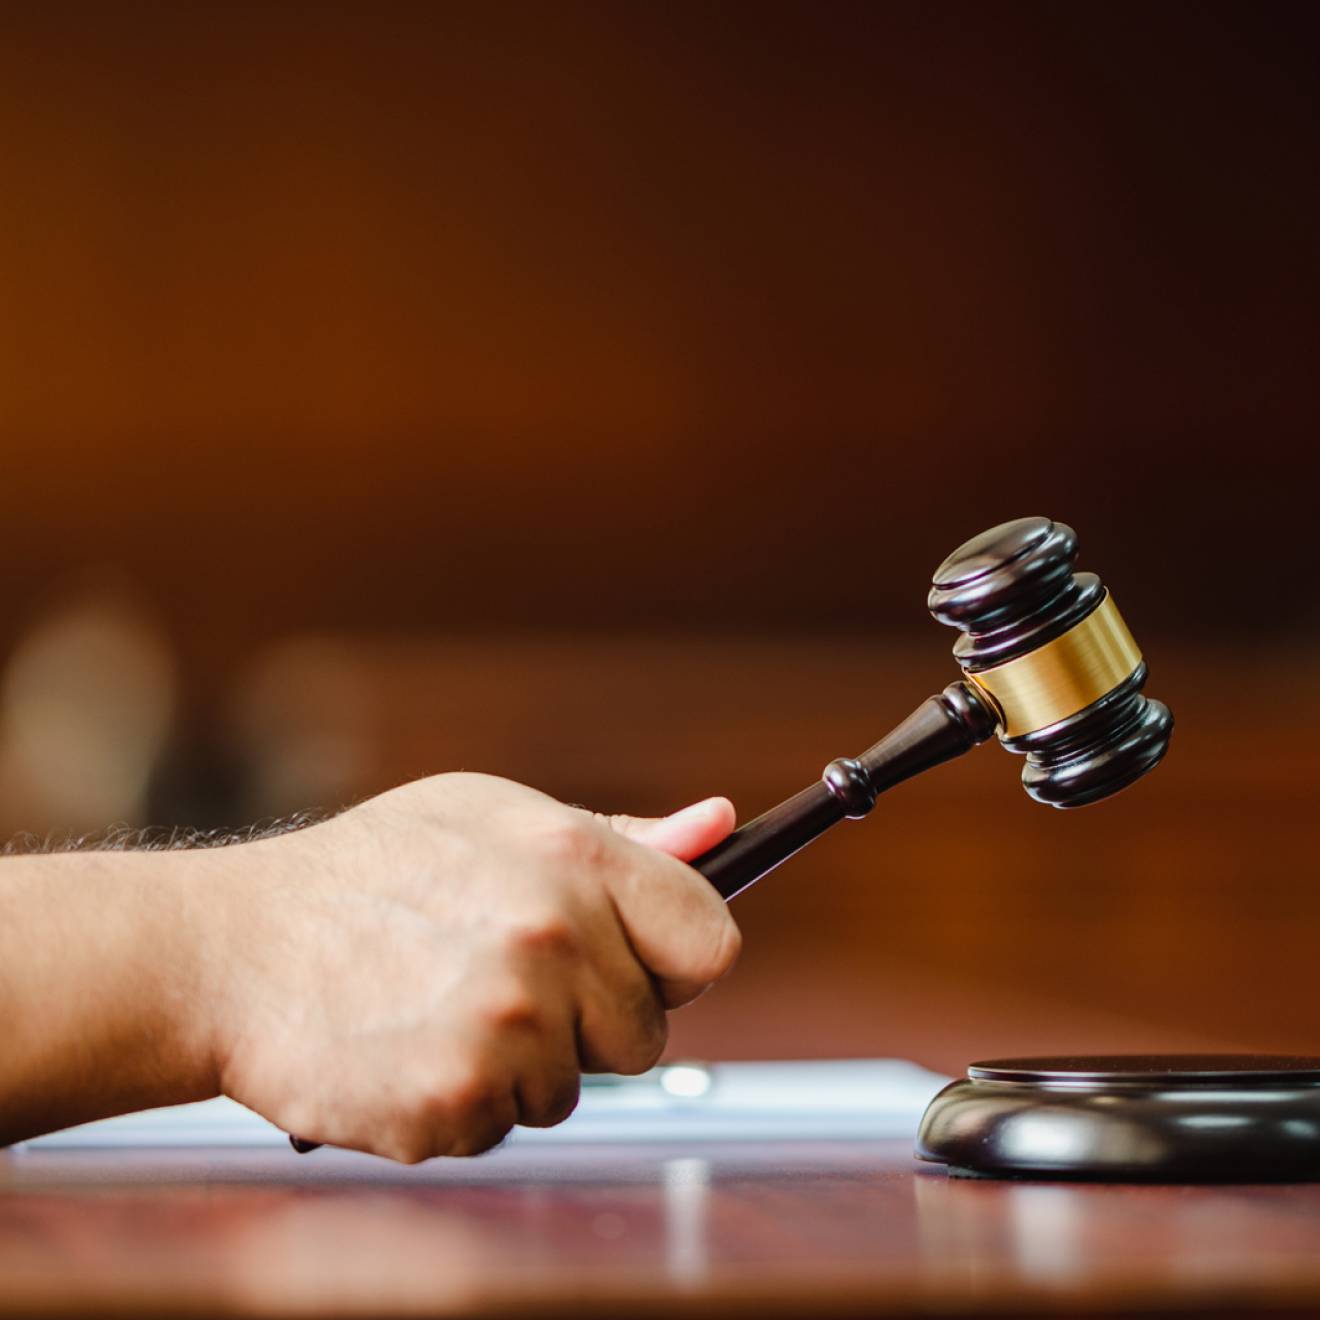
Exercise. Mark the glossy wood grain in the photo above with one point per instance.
(844, 1229)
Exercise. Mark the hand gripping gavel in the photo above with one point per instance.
(1048, 663)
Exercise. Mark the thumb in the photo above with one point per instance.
(685, 834)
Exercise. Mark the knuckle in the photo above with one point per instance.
(548, 934)
(471, 1105)
(573, 839)
(463, 1111)
(513, 1011)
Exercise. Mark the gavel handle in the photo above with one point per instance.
(942, 727)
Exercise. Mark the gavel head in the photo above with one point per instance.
(1049, 651)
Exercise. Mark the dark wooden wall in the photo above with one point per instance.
(543, 326)
(565, 314)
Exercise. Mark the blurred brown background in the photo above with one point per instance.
(585, 393)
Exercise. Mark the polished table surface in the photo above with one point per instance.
(820, 1228)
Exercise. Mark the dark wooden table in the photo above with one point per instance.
(810, 1229)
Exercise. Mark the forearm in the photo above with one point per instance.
(104, 989)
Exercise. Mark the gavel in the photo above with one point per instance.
(1048, 664)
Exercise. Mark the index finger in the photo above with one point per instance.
(676, 922)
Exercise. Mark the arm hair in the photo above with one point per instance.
(130, 838)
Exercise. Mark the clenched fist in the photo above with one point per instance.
(419, 974)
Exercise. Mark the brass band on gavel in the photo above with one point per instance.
(1064, 676)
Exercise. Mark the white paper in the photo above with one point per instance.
(843, 1099)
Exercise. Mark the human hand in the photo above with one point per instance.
(417, 975)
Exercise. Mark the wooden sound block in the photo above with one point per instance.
(1131, 1117)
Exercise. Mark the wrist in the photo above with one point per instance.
(238, 901)
(188, 892)
(222, 901)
